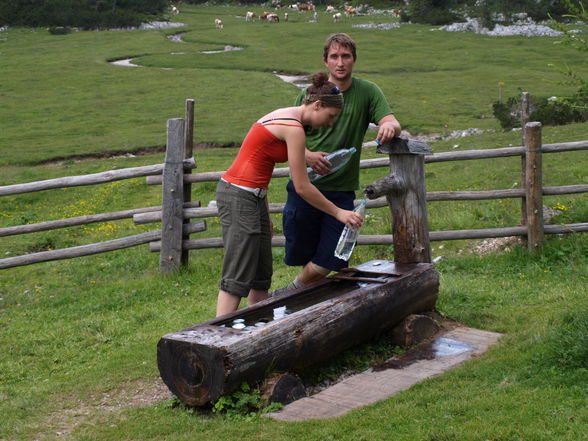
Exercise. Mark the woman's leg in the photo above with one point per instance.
(226, 303)
(256, 295)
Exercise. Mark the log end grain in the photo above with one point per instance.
(194, 375)
(283, 388)
(414, 329)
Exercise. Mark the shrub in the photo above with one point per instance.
(59, 30)
(508, 114)
(435, 12)
(548, 111)
(244, 404)
(79, 13)
(554, 112)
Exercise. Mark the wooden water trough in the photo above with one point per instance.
(210, 359)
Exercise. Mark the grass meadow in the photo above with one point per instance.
(78, 337)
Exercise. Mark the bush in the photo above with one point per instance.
(552, 112)
(491, 12)
(434, 12)
(59, 30)
(79, 13)
(548, 111)
(507, 114)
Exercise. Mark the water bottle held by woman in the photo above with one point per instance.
(337, 159)
(349, 237)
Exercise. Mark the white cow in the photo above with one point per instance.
(250, 16)
(218, 23)
(174, 10)
(337, 17)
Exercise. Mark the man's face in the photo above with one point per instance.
(339, 62)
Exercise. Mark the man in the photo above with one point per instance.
(311, 236)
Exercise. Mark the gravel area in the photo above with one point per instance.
(524, 28)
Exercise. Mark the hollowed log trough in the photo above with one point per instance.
(210, 359)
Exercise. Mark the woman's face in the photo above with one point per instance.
(324, 116)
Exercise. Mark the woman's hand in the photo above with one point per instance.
(318, 162)
(350, 218)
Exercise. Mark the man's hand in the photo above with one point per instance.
(318, 162)
(389, 128)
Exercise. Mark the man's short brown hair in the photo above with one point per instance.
(342, 40)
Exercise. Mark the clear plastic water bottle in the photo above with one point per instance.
(349, 237)
(337, 159)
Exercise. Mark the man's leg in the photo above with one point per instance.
(311, 272)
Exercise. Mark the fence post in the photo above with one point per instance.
(188, 151)
(533, 186)
(524, 121)
(172, 219)
(407, 198)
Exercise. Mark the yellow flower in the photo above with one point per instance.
(501, 84)
(560, 207)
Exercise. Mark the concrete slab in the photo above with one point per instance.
(445, 351)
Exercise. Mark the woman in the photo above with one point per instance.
(241, 193)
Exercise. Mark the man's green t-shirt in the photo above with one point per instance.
(364, 103)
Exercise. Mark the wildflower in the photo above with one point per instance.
(500, 86)
(560, 207)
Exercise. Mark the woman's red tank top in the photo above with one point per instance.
(257, 157)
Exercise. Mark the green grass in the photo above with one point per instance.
(61, 97)
(79, 336)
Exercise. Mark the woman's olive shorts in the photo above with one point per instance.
(247, 241)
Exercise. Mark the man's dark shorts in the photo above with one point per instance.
(312, 235)
(247, 263)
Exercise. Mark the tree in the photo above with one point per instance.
(577, 12)
(435, 12)
(86, 14)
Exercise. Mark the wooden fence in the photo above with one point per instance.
(177, 209)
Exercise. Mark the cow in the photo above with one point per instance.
(306, 7)
(273, 17)
(250, 16)
(337, 17)
(174, 10)
(330, 9)
(218, 23)
(350, 10)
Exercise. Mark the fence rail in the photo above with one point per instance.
(178, 198)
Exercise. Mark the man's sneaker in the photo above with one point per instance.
(279, 291)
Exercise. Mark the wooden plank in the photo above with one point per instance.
(533, 182)
(463, 155)
(170, 258)
(91, 179)
(81, 220)
(387, 239)
(188, 149)
(525, 110)
(191, 213)
(372, 386)
(82, 250)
